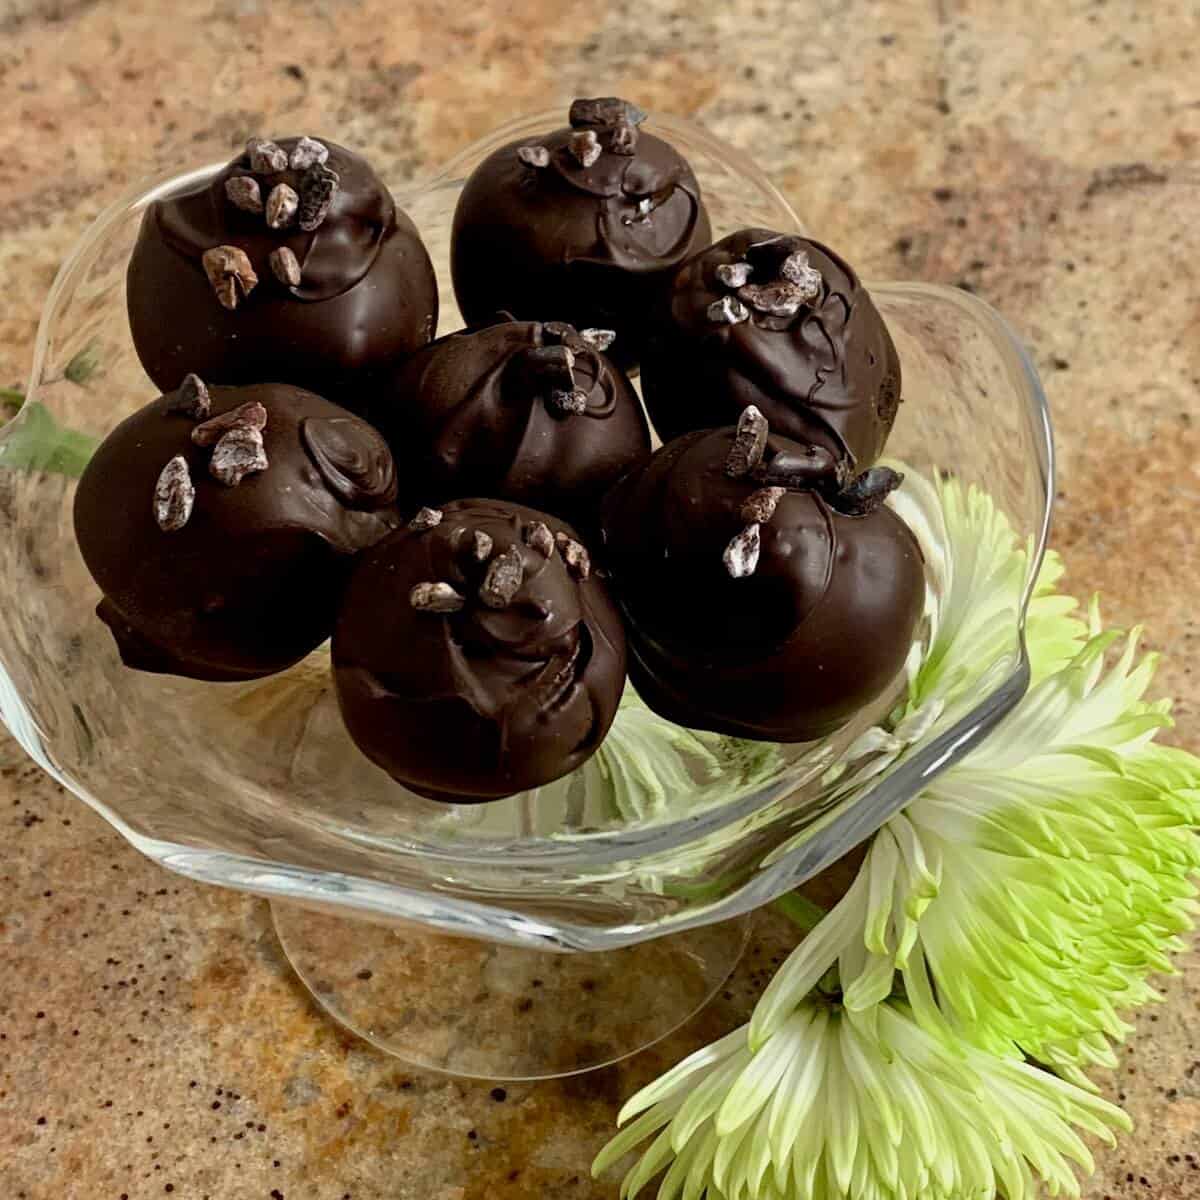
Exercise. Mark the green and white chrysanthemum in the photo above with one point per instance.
(835, 1110)
(1014, 910)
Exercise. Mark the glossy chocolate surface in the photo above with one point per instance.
(792, 648)
(587, 244)
(518, 411)
(475, 698)
(366, 293)
(250, 581)
(827, 375)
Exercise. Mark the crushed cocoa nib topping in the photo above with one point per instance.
(246, 416)
(728, 311)
(741, 555)
(435, 598)
(285, 266)
(780, 299)
(574, 554)
(230, 274)
(760, 506)
(585, 147)
(481, 545)
(538, 537)
(571, 403)
(282, 205)
(863, 495)
(426, 518)
(192, 399)
(534, 156)
(307, 152)
(734, 275)
(244, 193)
(174, 496)
(503, 580)
(317, 190)
(603, 112)
(598, 339)
(749, 443)
(266, 158)
(238, 454)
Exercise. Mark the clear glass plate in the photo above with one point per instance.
(256, 786)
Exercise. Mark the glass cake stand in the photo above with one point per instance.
(558, 930)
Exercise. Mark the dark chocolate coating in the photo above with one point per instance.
(828, 376)
(567, 242)
(470, 415)
(251, 583)
(367, 294)
(482, 703)
(788, 653)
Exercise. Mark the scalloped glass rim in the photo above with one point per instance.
(453, 914)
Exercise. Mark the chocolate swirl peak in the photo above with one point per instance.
(472, 659)
(582, 224)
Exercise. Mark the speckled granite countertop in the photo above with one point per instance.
(1042, 153)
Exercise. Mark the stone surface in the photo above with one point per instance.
(152, 1039)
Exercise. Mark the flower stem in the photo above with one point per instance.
(800, 910)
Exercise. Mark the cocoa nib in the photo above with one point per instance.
(230, 274)
(728, 311)
(503, 580)
(238, 454)
(266, 158)
(426, 518)
(244, 193)
(760, 506)
(749, 442)
(585, 146)
(534, 156)
(481, 545)
(174, 496)
(285, 266)
(192, 399)
(734, 275)
(435, 598)
(603, 112)
(282, 205)
(574, 554)
(307, 152)
(863, 495)
(538, 537)
(741, 555)
(245, 416)
(317, 190)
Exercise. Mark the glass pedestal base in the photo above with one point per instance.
(486, 1011)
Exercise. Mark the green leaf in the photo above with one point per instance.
(34, 441)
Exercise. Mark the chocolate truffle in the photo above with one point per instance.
(518, 411)
(583, 224)
(782, 323)
(220, 524)
(477, 654)
(767, 594)
(292, 264)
